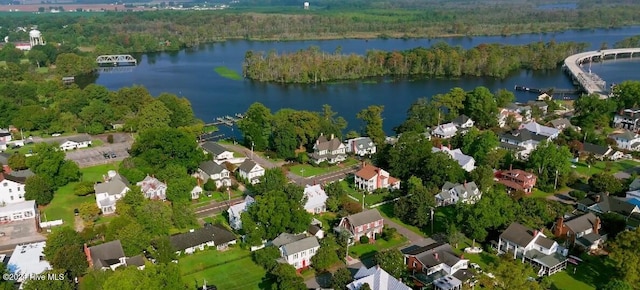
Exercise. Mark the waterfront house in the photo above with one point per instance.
(367, 223)
(453, 193)
(463, 122)
(627, 140)
(217, 151)
(532, 247)
(152, 188)
(467, 162)
(199, 239)
(331, 151)
(370, 178)
(235, 212)
(361, 146)
(251, 171)
(582, 230)
(445, 131)
(214, 171)
(517, 180)
(113, 188)
(71, 143)
(627, 119)
(109, 256)
(377, 279)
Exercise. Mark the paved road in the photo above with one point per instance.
(267, 164)
(411, 236)
(216, 207)
(95, 155)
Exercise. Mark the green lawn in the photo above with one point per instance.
(96, 143)
(232, 269)
(386, 211)
(228, 73)
(593, 273)
(600, 166)
(65, 201)
(367, 250)
(310, 170)
(217, 196)
(369, 199)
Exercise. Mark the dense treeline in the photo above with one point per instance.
(171, 30)
(633, 41)
(441, 60)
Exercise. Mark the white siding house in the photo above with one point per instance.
(76, 143)
(111, 190)
(251, 171)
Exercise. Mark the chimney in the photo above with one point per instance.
(449, 146)
(87, 253)
(331, 137)
(596, 225)
(596, 198)
(510, 167)
(535, 233)
(440, 146)
(465, 183)
(378, 178)
(557, 230)
(435, 256)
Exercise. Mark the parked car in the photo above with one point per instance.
(76, 211)
(56, 135)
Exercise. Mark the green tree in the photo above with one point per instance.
(162, 250)
(625, 254)
(277, 212)
(183, 216)
(453, 101)
(50, 162)
(70, 258)
(39, 189)
(326, 256)
(37, 57)
(267, 257)
(617, 284)
(284, 139)
(606, 182)
(483, 176)
(17, 161)
(627, 94)
(89, 212)
(480, 105)
(130, 233)
(83, 188)
(365, 286)
(256, 126)
(61, 237)
(49, 284)
(329, 123)
(155, 217)
(179, 189)
(391, 261)
(161, 147)
(154, 115)
(415, 209)
(421, 115)
(512, 274)
(493, 212)
(504, 97)
(372, 118)
(180, 108)
(341, 278)
(70, 64)
(550, 162)
(286, 278)
(273, 179)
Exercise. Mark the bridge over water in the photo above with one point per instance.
(116, 59)
(590, 82)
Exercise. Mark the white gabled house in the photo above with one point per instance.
(12, 188)
(361, 146)
(235, 212)
(77, 142)
(316, 199)
(627, 140)
(296, 250)
(216, 150)
(463, 122)
(214, 171)
(113, 188)
(208, 236)
(331, 151)
(370, 178)
(467, 162)
(152, 188)
(467, 193)
(251, 171)
(445, 131)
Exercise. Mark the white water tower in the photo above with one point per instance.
(35, 38)
(306, 5)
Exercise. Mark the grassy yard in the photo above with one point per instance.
(308, 170)
(232, 269)
(601, 166)
(386, 211)
(369, 199)
(65, 201)
(367, 250)
(217, 196)
(593, 273)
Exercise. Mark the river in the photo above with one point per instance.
(190, 73)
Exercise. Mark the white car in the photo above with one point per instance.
(56, 135)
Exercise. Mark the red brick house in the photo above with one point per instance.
(367, 223)
(517, 180)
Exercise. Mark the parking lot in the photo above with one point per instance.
(19, 232)
(106, 153)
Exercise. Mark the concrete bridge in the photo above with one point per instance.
(590, 82)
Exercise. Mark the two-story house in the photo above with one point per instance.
(152, 188)
(214, 171)
(361, 146)
(72, 143)
(453, 193)
(216, 150)
(600, 152)
(113, 188)
(235, 212)
(582, 230)
(521, 142)
(19, 211)
(562, 123)
(296, 250)
(533, 247)
(602, 203)
(537, 129)
(331, 151)
(463, 122)
(429, 263)
(522, 109)
(251, 171)
(517, 180)
(200, 239)
(445, 131)
(11, 188)
(627, 140)
(367, 223)
(109, 256)
(370, 178)
(627, 119)
(377, 279)
(467, 162)
(316, 199)
(504, 115)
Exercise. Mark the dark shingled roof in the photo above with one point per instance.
(210, 167)
(313, 229)
(107, 254)
(460, 120)
(434, 254)
(204, 235)
(135, 261)
(364, 217)
(581, 223)
(247, 165)
(518, 234)
(213, 148)
(545, 242)
(79, 139)
(595, 149)
(523, 135)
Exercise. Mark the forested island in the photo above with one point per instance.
(169, 30)
(441, 60)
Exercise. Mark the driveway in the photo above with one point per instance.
(95, 155)
(411, 236)
(19, 232)
(265, 163)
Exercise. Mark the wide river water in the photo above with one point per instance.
(190, 73)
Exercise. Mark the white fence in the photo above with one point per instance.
(51, 223)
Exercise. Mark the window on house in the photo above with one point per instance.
(295, 256)
(12, 197)
(5, 184)
(18, 188)
(28, 214)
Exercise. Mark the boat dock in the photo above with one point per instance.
(561, 93)
(226, 120)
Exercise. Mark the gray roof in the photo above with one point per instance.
(561, 123)
(116, 185)
(377, 278)
(545, 242)
(635, 184)
(625, 135)
(518, 234)
(210, 167)
(314, 229)
(510, 146)
(581, 223)
(22, 173)
(79, 139)
(363, 143)
(213, 148)
(107, 202)
(588, 239)
(217, 234)
(135, 261)
(107, 254)
(247, 165)
(286, 238)
(547, 260)
(433, 254)
(523, 135)
(460, 188)
(595, 149)
(460, 120)
(300, 245)
(4, 158)
(324, 144)
(364, 217)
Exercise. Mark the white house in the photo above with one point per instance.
(467, 162)
(361, 146)
(451, 193)
(463, 122)
(196, 192)
(538, 129)
(296, 250)
(27, 260)
(445, 131)
(18, 211)
(235, 211)
(533, 247)
(377, 279)
(109, 256)
(370, 178)
(627, 140)
(634, 189)
(77, 142)
(627, 119)
(251, 171)
(521, 142)
(216, 150)
(152, 188)
(331, 151)
(11, 189)
(504, 114)
(208, 236)
(111, 190)
(316, 199)
(433, 261)
(214, 171)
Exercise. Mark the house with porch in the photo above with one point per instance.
(467, 162)
(453, 193)
(113, 188)
(627, 140)
(445, 131)
(535, 128)
(214, 171)
(582, 230)
(517, 180)
(370, 178)
(377, 279)
(217, 151)
(367, 223)
(532, 247)
(316, 199)
(332, 151)
(199, 239)
(521, 142)
(361, 146)
(437, 265)
(72, 143)
(110, 255)
(627, 119)
(235, 212)
(152, 188)
(296, 250)
(601, 203)
(600, 152)
(251, 171)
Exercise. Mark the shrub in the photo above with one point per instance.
(388, 233)
(364, 240)
(83, 188)
(210, 185)
(577, 194)
(234, 186)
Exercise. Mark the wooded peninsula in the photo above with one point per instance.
(441, 60)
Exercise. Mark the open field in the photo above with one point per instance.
(308, 170)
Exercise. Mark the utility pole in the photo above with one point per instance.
(432, 220)
(252, 144)
(555, 186)
(302, 172)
